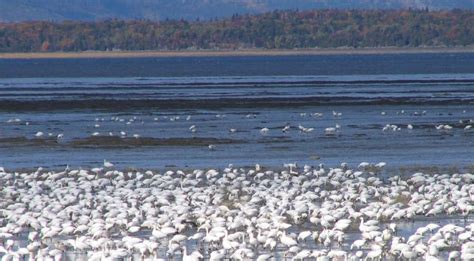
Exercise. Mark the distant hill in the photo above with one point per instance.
(57, 10)
(272, 30)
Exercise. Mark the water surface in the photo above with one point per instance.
(159, 99)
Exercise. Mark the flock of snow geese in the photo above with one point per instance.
(466, 124)
(193, 128)
(253, 213)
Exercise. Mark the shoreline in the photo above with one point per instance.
(243, 52)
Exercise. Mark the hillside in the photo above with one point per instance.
(273, 30)
(58, 10)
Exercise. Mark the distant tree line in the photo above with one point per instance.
(278, 29)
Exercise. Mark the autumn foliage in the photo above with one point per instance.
(278, 29)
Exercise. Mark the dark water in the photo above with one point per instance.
(241, 66)
(158, 99)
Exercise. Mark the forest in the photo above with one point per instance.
(274, 30)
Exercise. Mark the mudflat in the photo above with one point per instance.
(240, 52)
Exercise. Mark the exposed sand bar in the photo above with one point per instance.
(243, 52)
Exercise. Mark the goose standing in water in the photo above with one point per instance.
(108, 164)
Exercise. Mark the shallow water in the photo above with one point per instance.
(360, 137)
(405, 229)
(154, 97)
